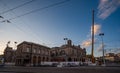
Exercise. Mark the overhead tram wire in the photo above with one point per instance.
(11, 10)
(49, 6)
(26, 33)
(17, 7)
(52, 5)
(40, 9)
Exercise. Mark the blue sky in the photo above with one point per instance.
(71, 19)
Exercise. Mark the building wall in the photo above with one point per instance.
(68, 52)
(33, 54)
(113, 57)
(29, 53)
(110, 54)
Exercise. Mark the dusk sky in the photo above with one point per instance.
(48, 24)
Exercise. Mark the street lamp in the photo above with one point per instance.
(8, 43)
(15, 45)
(102, 34)
(65, 40)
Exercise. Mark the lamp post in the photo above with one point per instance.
(8, 43)
(102, 34)
(65, 40)
(15, 45)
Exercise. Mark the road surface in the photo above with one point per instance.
(59, 70)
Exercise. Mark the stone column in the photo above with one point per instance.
(36, 60)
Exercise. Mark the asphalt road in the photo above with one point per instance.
(59, 70)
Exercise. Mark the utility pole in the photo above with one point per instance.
(92, 51)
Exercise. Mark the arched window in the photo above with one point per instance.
(39, 60)
(69, 59)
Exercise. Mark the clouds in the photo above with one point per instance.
(107, 7)
(97, 29)
(88, 42)
(100, 48)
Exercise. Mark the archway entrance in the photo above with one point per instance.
(34, 60)
(69, 59)
(39, 60)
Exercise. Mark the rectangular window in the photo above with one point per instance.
(39, 51)
(34, 50)
(28, 50)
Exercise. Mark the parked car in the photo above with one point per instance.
(72, 65)
(54, 64)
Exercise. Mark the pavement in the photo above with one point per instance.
(82, 69)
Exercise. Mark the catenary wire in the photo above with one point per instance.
(40, 9)
(17, 7)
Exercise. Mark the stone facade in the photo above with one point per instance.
(29, 53)
(68, 53)
(32, 54)
(9, 54)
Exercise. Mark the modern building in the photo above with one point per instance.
(31, 54)
(68, 53)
